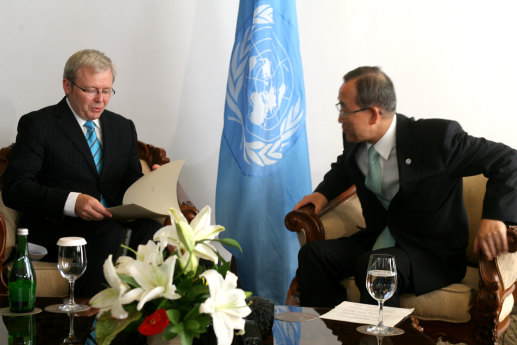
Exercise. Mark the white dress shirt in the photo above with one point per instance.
(69, 209)
(387, 149)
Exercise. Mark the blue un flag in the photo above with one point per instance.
(263, 163)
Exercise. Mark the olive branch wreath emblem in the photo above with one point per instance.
(259, 152)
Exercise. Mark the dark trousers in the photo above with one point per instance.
(323, 264)
(103, 238)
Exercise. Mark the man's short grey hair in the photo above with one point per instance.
(91, 58)
(374, 87)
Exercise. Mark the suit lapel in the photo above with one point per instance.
(350, 151)
(67, 123)
(108, 144)
(408, 157)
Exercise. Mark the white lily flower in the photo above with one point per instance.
(226, 305)
(197, 234)
(116, 295)
(150, 253)
(155, 280)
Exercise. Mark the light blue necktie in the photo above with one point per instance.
(95, 149)
(94, 144)
(373, 182)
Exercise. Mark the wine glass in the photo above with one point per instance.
(381, 283)
(71, 263)
(71, 338)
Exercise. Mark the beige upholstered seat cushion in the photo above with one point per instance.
(450, 303)
(49, 282)
(507, 267)
(145, 167)
(351, 211)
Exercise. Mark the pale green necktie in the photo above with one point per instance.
(373, 182)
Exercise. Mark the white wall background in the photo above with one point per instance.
(448, 58)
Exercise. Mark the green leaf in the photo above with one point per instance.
(177, 328)
(174, 315)
(223, 267)
(129, 280)
(168, 332)
(108, 327)
(230, 242)
(192, 325)
(186, 339)
(195, 291)
(204, 320)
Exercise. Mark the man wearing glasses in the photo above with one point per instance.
(72, 161)
(408, 174)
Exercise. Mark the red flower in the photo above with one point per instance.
(154, 323)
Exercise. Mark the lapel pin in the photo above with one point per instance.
(408, 161)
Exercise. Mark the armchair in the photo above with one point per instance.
(50, 282)
(474, 311)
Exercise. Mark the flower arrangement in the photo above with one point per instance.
(169, 291)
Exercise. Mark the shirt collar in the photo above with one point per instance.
(79, 119)
(385, 145)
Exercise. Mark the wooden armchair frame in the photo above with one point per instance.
(484, 326)
(146, 152)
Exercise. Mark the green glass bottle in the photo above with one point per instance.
(22, 279)
(21, 330)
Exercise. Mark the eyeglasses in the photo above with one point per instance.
(343, 113)
(93, 91)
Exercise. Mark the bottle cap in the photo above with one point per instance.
(22, 231)
(71, 241)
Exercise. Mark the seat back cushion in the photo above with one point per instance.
(49, 282)
(344, 219)
(145, 166)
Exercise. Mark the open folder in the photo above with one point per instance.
(152, 195)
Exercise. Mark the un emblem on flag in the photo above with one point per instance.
(264, 103)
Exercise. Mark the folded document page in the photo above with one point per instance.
(151, 195)
(367, 314)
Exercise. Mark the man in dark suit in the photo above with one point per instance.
(63, 188)
(417, 213)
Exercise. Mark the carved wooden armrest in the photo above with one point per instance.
(155, 155)
(489, 301)
(189, 210)
(304, 219)
(152, 154)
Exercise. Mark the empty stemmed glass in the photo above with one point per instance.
(71, 263)
(71, 338)
(381, 283)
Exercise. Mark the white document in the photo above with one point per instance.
(367, 314)
(152, 195)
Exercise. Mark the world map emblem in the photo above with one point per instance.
(265, 107)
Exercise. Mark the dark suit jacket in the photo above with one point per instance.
(51, 158)
(427, 216)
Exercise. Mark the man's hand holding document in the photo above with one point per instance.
(152, 195)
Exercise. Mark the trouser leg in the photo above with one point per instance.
(404, 283)
(142, 230)
(103, 238)
(321, 266)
